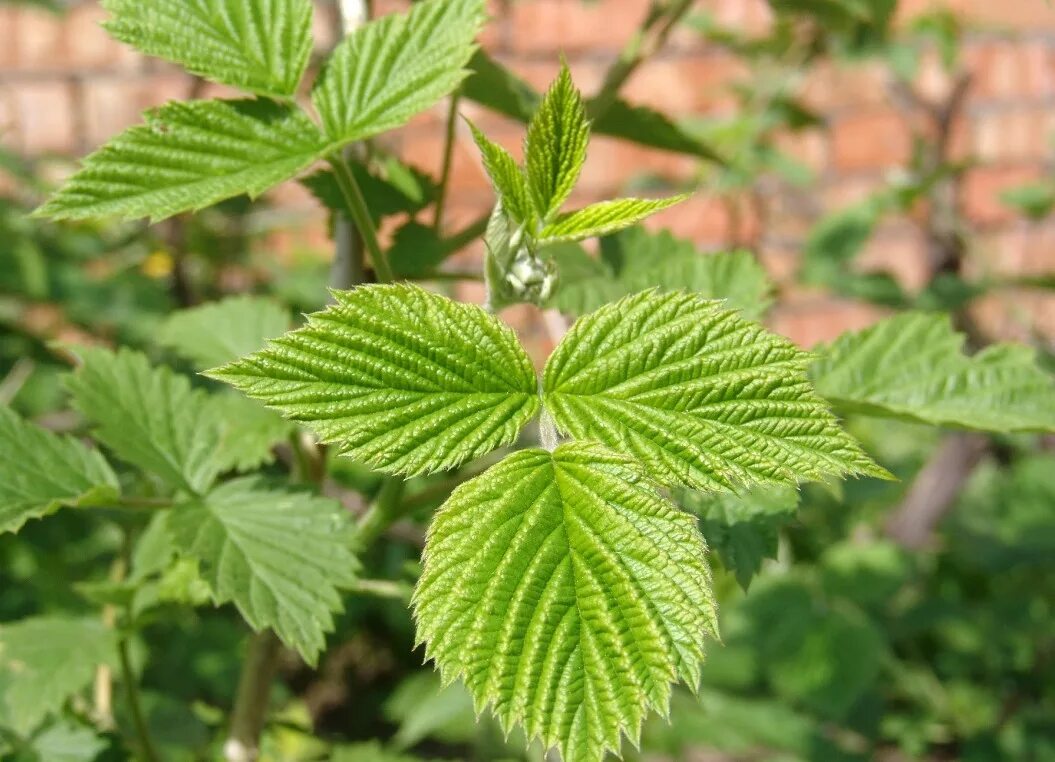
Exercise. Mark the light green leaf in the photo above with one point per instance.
(67, 742)
(912, 366)
(150, 417)
(568, 594)
(603, 218)
(281, 557)
(397, 377)
(369, 751)
(390, 69)
(636, 260)
(555, 146)
(743, 528)
(190, 155)
(703, 397)
(261, 46)
(250, 431)
(46, 660)
(506, 177)
(41, 471)
(219, 332)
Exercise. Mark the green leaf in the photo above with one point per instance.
(41, 471)
(369, 751)
(555, 146)
(642, 125)
(506, 177)
(388, 70)
(250, 431)
(261, 46)
(742, 528)
(1035, 200)
(68, 742)
(389, 187)
(603, 218)
(219, 332)
(397, 377)
(281, 557)
(837, 240)
(190, 155)
(912, 366)
(568, 594)
(703, 397)
(46, 660)
(496, 87)
(150, 417)
(637, 260)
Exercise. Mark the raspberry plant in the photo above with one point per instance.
(568, 584)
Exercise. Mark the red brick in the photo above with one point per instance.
(539, 73)
(113, 104)
(982, 187)
(88, 46)
(39, 41)
(871, 141)
(831, 86)
(702, 219)
(1012, 135)
(683, 85)
(611, 164)
(44, 117)
(822, 321)
(750, 17)
(900, 250)
(571, 26)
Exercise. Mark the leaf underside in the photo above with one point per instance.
(187, 156)
(261, 46)
(912, 366)
(568, 594)
(280, 557)
(701, 396)
(41, 471)
(400, 378)
(149, 417)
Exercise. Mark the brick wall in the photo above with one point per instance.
(65, 87)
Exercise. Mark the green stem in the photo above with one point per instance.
(384, 510)
(384, 588)
(448, 155)
(146, 743)
(360, 214)
(254, 695)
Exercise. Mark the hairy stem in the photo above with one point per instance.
(135, 707)
(254, 693)
(360, 214)
(448, 155)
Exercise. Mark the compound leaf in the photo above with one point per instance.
(403, 379)
(703, 397)
(568, 594)
(46, 660)
(41, 471)
(281, 557)
(912, 366)
(603, 218)
(150, 417)
(261, 46)
(215, 333)
(187, 156)
(506, 177)
(555, 146)
(388, 70)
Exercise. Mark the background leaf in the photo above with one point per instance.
(568, 594)
(219, 332)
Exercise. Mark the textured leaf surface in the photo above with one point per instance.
(41, 471)
(390, 69)
(743, 528)
(912, 366)
(701, 396)
(568, 594)
(555, 146)
(506, 177)
(636, 260)
(150, 417)
(604, 218)
(403, 379)
(257, 45)
(222, 331)
(188, 156)
(280, 557)
(46, 660)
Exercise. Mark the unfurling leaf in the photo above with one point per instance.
(506, 177)
(403, 379)
(912, 366)
(388, 70)
(261, 46)
(188, 156)
(281, 557)
(701, 396)
(41, 471)
(150, 417)
(567, 594)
